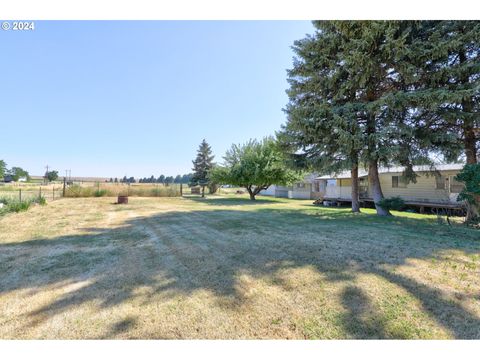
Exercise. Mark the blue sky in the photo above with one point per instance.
(136, 98)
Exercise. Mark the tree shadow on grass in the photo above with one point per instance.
(182, 252)
(235, 201)
(361, 320)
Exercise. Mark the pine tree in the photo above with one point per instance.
(445, 67)
(202, 164)
(320, 124)
(343, 108)
(374, 93)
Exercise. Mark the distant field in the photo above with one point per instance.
(226, 267)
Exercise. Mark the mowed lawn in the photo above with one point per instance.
(229, 268)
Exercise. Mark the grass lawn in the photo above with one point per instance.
(226, 267)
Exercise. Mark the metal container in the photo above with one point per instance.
(122, 199)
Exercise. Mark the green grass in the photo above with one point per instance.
(226, 267)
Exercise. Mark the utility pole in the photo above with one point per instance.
(46, 175)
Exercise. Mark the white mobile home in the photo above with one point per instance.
(431, 187)
(304, 189)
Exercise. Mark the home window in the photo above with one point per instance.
(331, 182)
(440, 182)
(301, 185)
(398, 182)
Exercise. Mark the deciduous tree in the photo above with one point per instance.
(255, 166)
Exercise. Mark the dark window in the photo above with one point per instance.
(398, 182)
(440, 182)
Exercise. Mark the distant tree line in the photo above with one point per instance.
(162, 179)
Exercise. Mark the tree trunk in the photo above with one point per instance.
(375, 188)
(373, 178)
(470, 143)
(355, 192)
(251, 193)
(469, 138)
(203, 191)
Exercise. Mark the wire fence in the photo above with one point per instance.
(48, 192)
(55, 191)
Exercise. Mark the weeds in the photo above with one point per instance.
(78, 191)
(8, 205)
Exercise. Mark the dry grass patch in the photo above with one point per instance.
(225, 267)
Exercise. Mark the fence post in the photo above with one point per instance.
(64, 184)
(181, 189)
(40, 192)
(20, 194)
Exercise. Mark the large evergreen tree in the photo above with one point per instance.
(444, 68)
(343, 110)
(377, 93)
(202, 164)
(323, 131)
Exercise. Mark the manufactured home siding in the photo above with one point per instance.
(424, 189)
(345, 189)
(270, 191)
(301, 190)
(281, 191)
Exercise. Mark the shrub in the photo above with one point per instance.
(13, 205)
(100, 192)
(393, 203)
(41, 200)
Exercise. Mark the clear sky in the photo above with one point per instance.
(136, 98)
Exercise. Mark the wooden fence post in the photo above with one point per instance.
(40, 192)
(64, 184)
(20, 194)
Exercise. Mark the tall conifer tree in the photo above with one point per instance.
(202, 164)
(444, 68)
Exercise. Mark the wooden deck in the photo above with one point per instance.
(420, 204)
